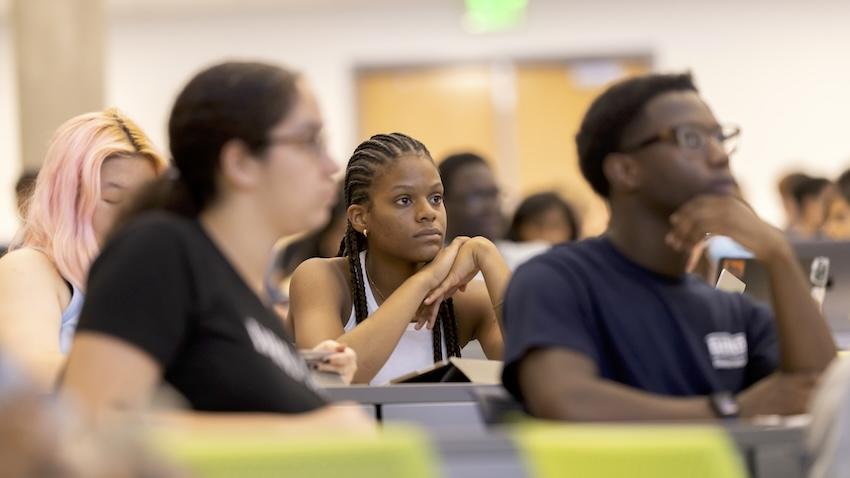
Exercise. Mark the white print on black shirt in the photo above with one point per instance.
(727, 350)
(267, 343)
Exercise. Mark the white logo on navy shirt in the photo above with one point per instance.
(269, 344)
(727, 350)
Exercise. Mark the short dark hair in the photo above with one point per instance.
(611, 113)
(809, 188)
(790, 181)
(843, 183)
(540, 203)
(25, 182)
(452, 164)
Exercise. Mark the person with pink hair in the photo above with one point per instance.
(94, 163)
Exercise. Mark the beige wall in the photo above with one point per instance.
(10, 164)
(519, 115)
(779, 68)
(59, 50)
(449, 108)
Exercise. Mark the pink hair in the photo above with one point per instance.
(61, 208)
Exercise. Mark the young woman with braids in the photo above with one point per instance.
(95, 162)
(395, 275)
(177, 294)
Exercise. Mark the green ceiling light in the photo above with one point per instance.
(494, 15)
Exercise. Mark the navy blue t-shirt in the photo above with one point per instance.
(660, 334)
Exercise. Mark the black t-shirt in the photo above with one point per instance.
(163, 286)
(671, 336)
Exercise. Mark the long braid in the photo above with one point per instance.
(358, 290)
(446, 326)
(436, 335)
(358, 178)
(360, 172)
(447, 309)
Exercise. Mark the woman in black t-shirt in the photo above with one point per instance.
(176, 293)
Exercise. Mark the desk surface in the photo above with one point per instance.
(475, 451)
(747, 434)
(498, 438)
(768, 451)
(408, 393)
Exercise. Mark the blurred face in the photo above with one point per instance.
(790, 206)
(475, 206)
(297, 186)
(670, 174)
(121, 177)
(813, 211)
(837, 225)
(550, 226)
(405, 217)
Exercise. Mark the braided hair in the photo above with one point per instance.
(362, 168)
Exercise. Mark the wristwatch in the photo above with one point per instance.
(724, 404)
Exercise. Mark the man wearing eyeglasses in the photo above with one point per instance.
(613, 328)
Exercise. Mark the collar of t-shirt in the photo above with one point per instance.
(631, 266)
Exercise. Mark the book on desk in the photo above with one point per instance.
(456, 370)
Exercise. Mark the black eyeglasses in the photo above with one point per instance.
(694, 137)
(315, 144)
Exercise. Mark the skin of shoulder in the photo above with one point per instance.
(32, 298)
(319, 288)
(29, 272)
(472, 309)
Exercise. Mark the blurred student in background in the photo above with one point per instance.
(810, 199)
(472, 198)
(473, 203)
(178, 293)
(786, 186)
(23, 190)
(837, 224)
(95, 163)
(545, 217)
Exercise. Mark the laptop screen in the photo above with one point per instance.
(836, 306)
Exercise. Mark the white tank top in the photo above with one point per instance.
(415, 349)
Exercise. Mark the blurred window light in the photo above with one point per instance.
(596, 73)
